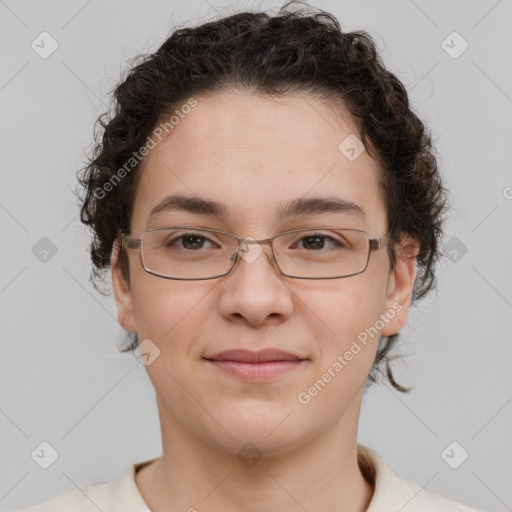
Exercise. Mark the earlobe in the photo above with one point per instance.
(122, 293)
(401, 285)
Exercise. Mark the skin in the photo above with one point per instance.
(252, 153)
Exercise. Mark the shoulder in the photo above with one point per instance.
(393, 493)
(119, 494)
(417, 499)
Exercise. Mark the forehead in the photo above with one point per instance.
(253, 153)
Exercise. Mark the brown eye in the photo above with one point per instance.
(190, 242)
(317, 242)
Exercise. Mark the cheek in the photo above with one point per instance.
(347, 344)
(348, 305)
(170, 312)
(346, 313)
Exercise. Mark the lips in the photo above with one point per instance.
(246, 356)
(255, 366)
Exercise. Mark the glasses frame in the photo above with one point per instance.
(374, 244)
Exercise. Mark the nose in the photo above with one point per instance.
(255, 291)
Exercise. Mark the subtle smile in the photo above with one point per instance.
(248, 365)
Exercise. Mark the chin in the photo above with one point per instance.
(272, 430)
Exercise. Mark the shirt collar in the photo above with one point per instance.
(391, 493)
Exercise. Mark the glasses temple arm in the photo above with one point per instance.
(130, 243)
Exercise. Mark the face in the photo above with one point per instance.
(254, 155)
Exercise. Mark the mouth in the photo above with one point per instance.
(262, 365)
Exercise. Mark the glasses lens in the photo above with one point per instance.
(187, 253)
(322, 253)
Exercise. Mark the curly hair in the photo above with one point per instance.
(298, 50)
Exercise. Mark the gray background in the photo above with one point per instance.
(62, 378)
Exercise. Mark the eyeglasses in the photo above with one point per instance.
(188, 253)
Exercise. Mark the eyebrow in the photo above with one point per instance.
(297, 207)
(330, 204)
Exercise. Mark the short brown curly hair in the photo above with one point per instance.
(297, 50)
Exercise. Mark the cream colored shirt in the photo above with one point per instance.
(391, 493)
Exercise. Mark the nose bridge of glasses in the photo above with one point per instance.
(250, 249)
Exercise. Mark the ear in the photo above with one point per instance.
(400, 285)
(122, 293)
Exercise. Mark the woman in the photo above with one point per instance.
(269, 207)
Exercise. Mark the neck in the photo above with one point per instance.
(322, 474)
